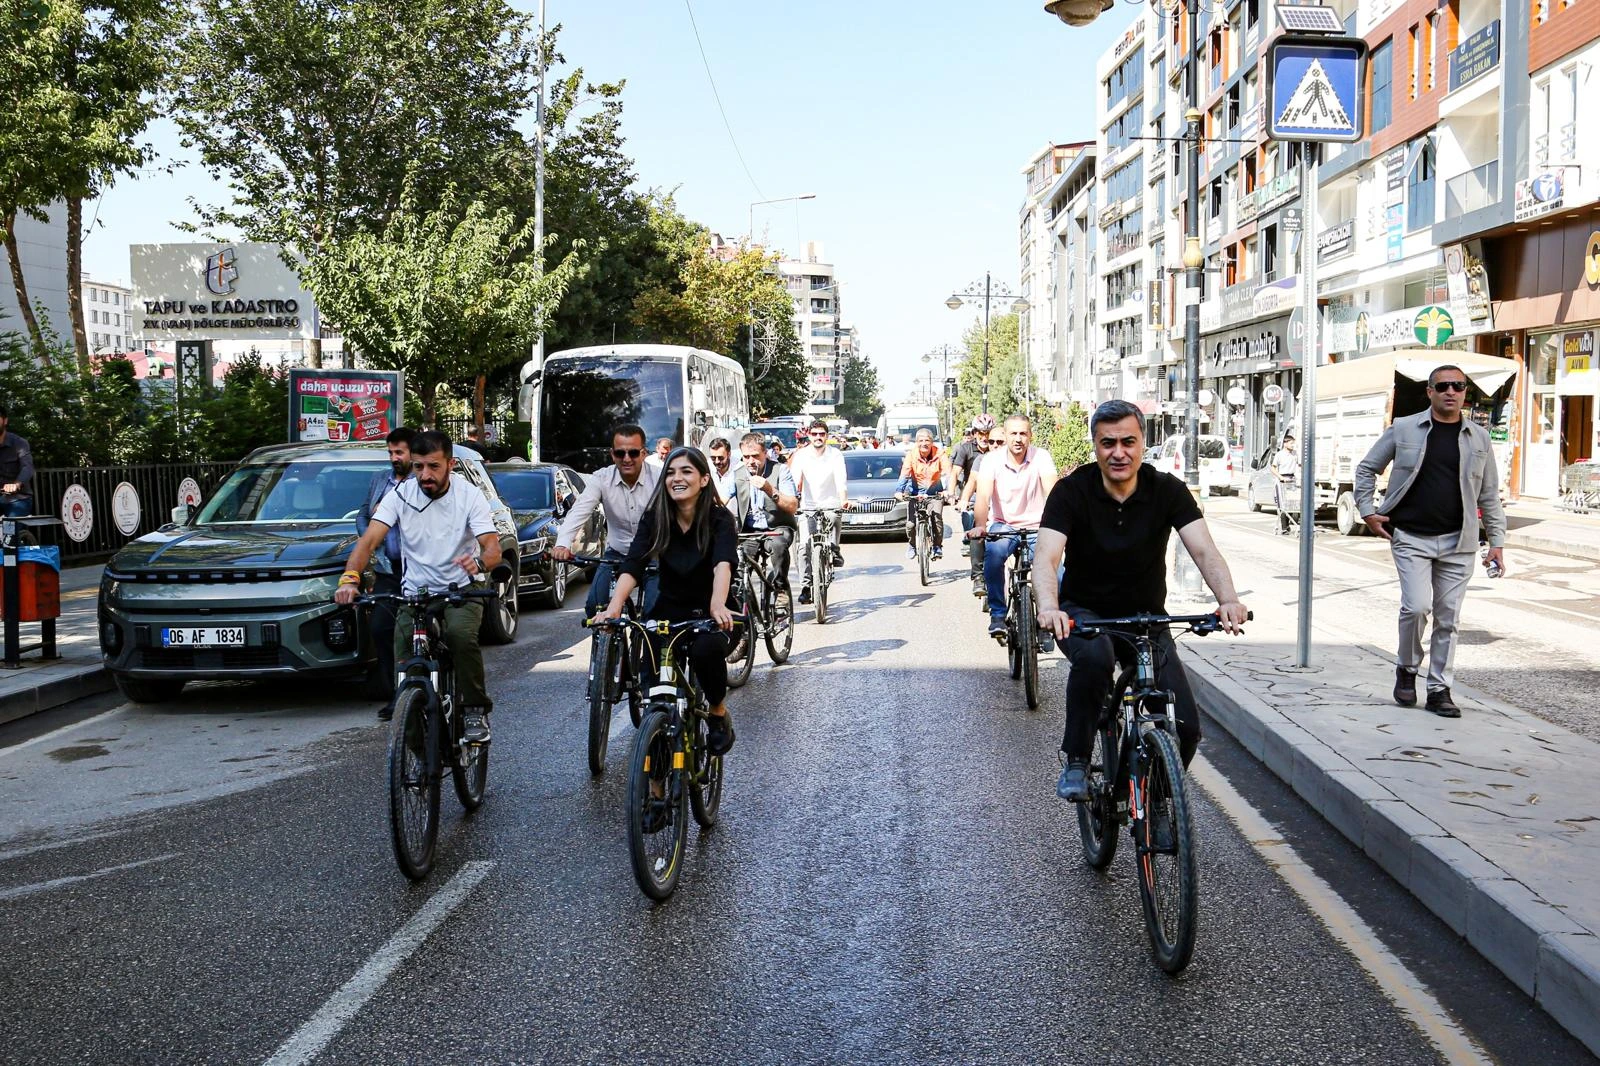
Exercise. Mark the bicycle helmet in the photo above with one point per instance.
(983, 423)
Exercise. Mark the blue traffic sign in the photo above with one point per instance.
(1316, 88)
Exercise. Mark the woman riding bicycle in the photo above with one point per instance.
(689, 532)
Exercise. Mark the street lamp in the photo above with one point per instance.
(778, 200)
(943, 352)
(1081, 13)
(990, 292)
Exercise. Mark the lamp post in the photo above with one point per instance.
(777, 200)
(1081, 13)
(943, 352)
(987, 294)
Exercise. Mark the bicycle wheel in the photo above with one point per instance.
(780, 621)
(1028, 650)
(605, 667)
(635, 657)
(469, 769)
(1097, 816)
(657, 808)
(742, 650)
(413, 786)
(822, 572)
(1013, 637)
(1168, 878)
(705, 792)
(923, 550)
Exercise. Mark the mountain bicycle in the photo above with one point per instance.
(672, 771)
(820, 545)
(428, 724)
(769, 608)
(613, 673)
(924, 525)
(1136, 779)
(1023, 638)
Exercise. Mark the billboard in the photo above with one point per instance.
(344, 405)
(233, 292)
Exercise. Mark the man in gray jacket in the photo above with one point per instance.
(1444, 475)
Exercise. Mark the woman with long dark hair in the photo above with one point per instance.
(689, 531)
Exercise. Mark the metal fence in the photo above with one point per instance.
(104, 507)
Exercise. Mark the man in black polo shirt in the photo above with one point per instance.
(1110, 521)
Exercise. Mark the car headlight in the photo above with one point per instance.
(539, 544)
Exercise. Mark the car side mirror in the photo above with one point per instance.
(567, 501)
(1257, 463)
(181, 514)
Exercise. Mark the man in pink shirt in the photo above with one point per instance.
(1012, 486)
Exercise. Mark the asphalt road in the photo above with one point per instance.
(892, 880)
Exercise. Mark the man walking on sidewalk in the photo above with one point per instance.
(1444, 475)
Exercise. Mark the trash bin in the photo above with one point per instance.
(38, 583)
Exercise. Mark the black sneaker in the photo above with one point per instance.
(805, 593)
(838, 557)
(1158, 823)
(1073, 784)
(1405, 687)
(997, 629)
(1440, 703)
(386, 712)
(475, 726)
(719, 733)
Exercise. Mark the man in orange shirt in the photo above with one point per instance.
(925, 472)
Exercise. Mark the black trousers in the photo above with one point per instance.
(1094, 664)
(778, 548)
(382, 627)
(708, 658)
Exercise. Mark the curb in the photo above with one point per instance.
(1542, 951)
(88, 681)
(1571, 549)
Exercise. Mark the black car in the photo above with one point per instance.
(540, 495)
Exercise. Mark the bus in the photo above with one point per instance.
(688, 394)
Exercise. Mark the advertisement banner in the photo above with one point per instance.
(240, 291)
(344, 405)
(1468, 282)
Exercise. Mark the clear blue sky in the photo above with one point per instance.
(909, 121)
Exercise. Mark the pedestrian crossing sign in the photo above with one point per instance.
(1316, 88)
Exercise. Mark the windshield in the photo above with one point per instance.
(526, 490)
(581, 399)
(1213, 448)
(872, 466)
(293, 492)
(786, 434)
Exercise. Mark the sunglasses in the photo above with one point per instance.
(626, 453)
(1449, 386)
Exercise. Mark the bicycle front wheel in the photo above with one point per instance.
(470, 774)
(822, 574)
(1028, 646)
(922, 551)
(1097, 816)
(780, 622)
(1168, 878)
(742, 652)
(657, 808)
(705, 795)
(605, 664)
(413, 785)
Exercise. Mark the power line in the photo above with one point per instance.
(718, 97)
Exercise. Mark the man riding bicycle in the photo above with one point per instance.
(622, 490)
(1013, 484)
(819, 476)
(1110, 522)
(766, 499)
(447, 538)
(964, 468)
(925, 471)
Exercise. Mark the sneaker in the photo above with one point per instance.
(1073, 784)
(838, 557)
(1440, 703)
(1158, 825)
(911, 551)
(1405, 687)
(386, 712)
(719, 733)
(781, 601)
(475, 727)
(997, 628)
(979, 589)
(938, 553)
(805, 593)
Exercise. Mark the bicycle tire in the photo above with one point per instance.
(923, 550)
(470, 777)
(1027, 637)
(604, 664)
(780, 622)
(1170, 890)
(742, 652)
(705, 792)
(822, 570)
(1097, 816)
(413, 785)
(1013, 636)
(656, 862)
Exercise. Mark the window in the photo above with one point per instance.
(1430, 50)
(1419, 189)
(1126, 80)
(1539, 122)
(1415, 82)
(1126, 128)
(1269, 254)
(1381, 70)
(1125, 182)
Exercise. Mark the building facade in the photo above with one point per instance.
(1067, 375)
(1036, 332)
(42, 248)
(108, 316)
(814, 289)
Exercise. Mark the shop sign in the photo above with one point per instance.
(1394, 168)
(1577, 351)
(1335, 242)
(1355, 329)
(1271, 193)
(240, 291)
(343, 405)
(1591, 260)
(1277, 297)
(1238, 303)
(1246, 352)
(1537, 196)
(1394, 225)
(188, 493)
(1433, 326)
(1272, 395)
(1468, 283)
(1476, 56)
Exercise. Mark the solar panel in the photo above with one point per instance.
(1310, 19)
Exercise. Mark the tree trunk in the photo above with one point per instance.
(477, 402)
(430, 393)
(20, 283)
(314, 353)
(80, 339)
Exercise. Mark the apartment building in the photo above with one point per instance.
(1036, 251)
(108, 316)
(814, 288)
(1066, 374)
(42, 249)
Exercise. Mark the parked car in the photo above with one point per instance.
(242, 587)
(1261, 491)
(540, 495)
(1216, 460)
(871, 476)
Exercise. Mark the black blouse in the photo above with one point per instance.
(685, 573)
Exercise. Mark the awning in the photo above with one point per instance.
(1375, 373)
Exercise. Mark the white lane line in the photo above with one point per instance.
(62, 882)
(34, 849)
(41, 738)
(336, 1011)
(1392, 976)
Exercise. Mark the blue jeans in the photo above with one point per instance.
(19, 507)
(603, 585)
(995, 554)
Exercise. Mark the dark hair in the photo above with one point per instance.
(401, 435)
(1432, 375)
(1114, 411)
(664, 511)
(814, 423)
(430, 442)
(753, 438)
(718, 442)
(627, 429)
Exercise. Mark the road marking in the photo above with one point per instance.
(62, 882)
(1396, 981)
(336, 1011)
(34, 849)
(41, 738)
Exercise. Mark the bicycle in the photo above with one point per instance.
(612, 673)
(820, 545)
(771, 617)
(428, 725)
(1023, 638)
(672, 772)
(924, 532)
(1136, 779)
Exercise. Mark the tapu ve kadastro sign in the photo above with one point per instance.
(344, 405)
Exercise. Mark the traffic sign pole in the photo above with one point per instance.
(1312, 349)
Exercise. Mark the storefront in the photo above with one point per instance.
(1249, 380)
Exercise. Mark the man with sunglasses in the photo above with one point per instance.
(819, 476)
(968, 454)
(1444, 475)
(622, 490)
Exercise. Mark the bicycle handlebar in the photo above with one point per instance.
(1143, 623)
(697, 625)
(451, 597)
(1006, 534)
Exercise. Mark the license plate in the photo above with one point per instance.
(203, 637)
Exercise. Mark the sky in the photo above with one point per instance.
(910, 122)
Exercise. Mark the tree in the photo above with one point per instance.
(863, 401)
(780, 377)
(1005, 367)
(440, 294)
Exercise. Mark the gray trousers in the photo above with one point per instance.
(1433, 580)
(808, 526)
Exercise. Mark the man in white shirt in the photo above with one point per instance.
(623, 491)
(1013, 483)
(656, 459)
(819, 476)
(723, 472)
(1286, 465)
(447, 538)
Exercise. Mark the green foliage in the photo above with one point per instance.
(863, 400)
(1005, 368)
(249, 410)
(1065, 435)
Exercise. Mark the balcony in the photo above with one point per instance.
(1474, 190)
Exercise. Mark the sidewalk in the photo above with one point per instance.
(1492, 820)
(40, 685)
(1545, 527)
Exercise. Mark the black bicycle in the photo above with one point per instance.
(672, 772)
(769, 608)
(428, 724)
(820, 545)
(924, 531)
(613, 672)
(1136, 779)
(1023, 638)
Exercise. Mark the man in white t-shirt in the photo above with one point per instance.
(1013, 483)
(818, 470)
(447, 538)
